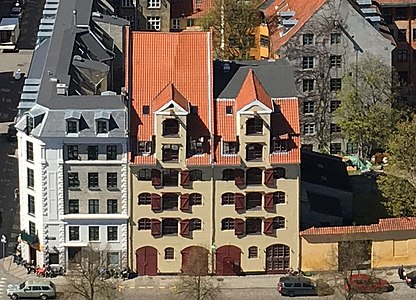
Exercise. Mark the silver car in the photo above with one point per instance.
(32, 289)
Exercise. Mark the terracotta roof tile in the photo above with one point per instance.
(190, 9)
(384, 225)
(167, 94)
(252, 90)
(304, 10)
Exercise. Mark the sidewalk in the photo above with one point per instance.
(15, 270)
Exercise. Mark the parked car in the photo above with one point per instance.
(296, 286)
(364, 283)
(16, 12)
(32, 289)
(411, 279)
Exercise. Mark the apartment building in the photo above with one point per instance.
(400, 16)
(72, 138)
(215, 159)
(321, 39)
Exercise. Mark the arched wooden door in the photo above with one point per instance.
(146, 261)
(228, 260)
(195, 260)
(277, 259)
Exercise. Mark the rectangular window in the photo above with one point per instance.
(72, 152)
(72, 126)
(189, 22)
(309, 129)
(102, 126)
(111, 152)
(93, 180)
(112, 233)
(335, 148)
(335, 128)
(93, 233)
(352, 148)
(334, 105)
(308, 107)
(93, 206)
(264, 41)
(280, 146)
(32, 228)
(74, 233)
(335, 84)
(113, 258)
(170, 177)
(402, 55)
(73, 181)
(253, 226)
(146, 109)
(73, 206)
(126, 3)
(111, 180)
(401, 13)
(401, 35)
(153, 23)
(229, 148)
(29, 151)
(308, 39)
(335, 61)
(31, 204)
(335, 38)
(30, 178)
(414, 29)
(112, 206)
(30, 124)
(175, 24)
(153, 4)
(144, 148)
(92, 152)
(170, 201)
(307, 62)
(170, 152)
(229, 110)
(308, 85)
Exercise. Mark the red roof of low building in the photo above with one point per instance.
(384, 225)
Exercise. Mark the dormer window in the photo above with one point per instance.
(102, 126)
(254, 126)
(170, 127)
(72, 126)
(30, 124)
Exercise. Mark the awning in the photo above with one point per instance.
(29, 238)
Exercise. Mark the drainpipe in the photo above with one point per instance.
(213, 223)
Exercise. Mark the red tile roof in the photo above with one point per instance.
(170, 93)
(252, 90)
(190, 9)
(304, 10)
(384, 225)
(159, 59)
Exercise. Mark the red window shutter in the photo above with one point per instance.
(239, 177)
(185, 178)
(155, 227)
(268, 177)
(268, 202)
(185, 202)
(268, 226)
(156, 177)
(239, 226)
(185, 228)
(239, 202)
(155, 202)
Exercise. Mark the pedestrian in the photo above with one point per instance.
(17, 75)
(401, 273)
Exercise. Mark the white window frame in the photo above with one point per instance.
(175, 24)
(153, 23)
(126, 3)
(309, 128)
(153, 3)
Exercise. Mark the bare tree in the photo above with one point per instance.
(195, 283)
(83, 279)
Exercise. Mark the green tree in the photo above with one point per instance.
(398, 184)
(366, 114)
(233, 23)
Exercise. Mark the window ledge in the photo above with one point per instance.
(113, 189)
(94, 188)
(74, 188)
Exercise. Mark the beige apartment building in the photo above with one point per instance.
(215, 159)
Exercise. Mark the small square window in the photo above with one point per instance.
(169, 253)
(309, 129)
(335, 128)
(175, 24)
(194, 109)
(229, 148)
(335, 38)
(153, 4)
(308, 107)
(307, 62)
(72, 126)
(335, 84)
(102, 126)
(308, 39)
(144, 148)
(335, 148)
(308, 85)
(335, 61)
(153, 23)
(229, 110)
(253, 252)
(334, 105)
(146, 109)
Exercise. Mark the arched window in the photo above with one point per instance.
(228, 174)
(252, 252)
(279, 197)
(169, 253)
(279, 173)
(195, 175)
(195, 224)
(195, 199)
(254, 152)
(254, 176)
(144, 224)
(144, 174)
(144, 199)
(227, 224)
(279, 223)
(254, 126)
(227, 199)
(170, 127)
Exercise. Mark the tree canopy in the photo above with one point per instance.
(398, 184)
(233, 23)
(366, 115)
